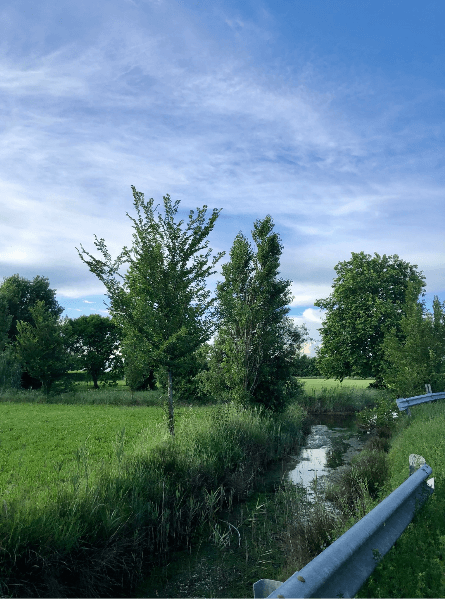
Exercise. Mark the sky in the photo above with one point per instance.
(328, 115)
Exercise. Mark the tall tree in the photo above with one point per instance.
(414, 353)
(368, 300)
(95, 342)
(21, 295)
(17, 296)
(254, 351)
(161, 301)
(41, 347)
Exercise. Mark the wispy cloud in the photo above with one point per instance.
(341, 163)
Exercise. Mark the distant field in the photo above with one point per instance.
(319, 384)
(44, 446)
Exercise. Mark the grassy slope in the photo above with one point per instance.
(414, 567)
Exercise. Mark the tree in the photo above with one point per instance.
(256, 343)
(306, 366)
(139, 373)
(41, 347)
(17, 296)
(95, 342)
(22, 294)
(161, 301)
(367, 301)
(414, 354)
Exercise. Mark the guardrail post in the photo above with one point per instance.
(415, 462)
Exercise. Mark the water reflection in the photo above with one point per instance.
(326, 449)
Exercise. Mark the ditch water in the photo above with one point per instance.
(332, 442)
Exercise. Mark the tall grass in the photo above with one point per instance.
(319, 397)
(95, 536)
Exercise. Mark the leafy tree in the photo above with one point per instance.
(161, 301)
(367, 302)
(41, 347)
(414, 354)
(139, 373)
(17, 296)
(5, 323)
(256, 343)
(21, 295)
(95, 342)
(306, 366)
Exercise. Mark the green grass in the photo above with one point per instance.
(316, 383)
(87, 520)
(44, 446)
(329, 395)
(414, 567)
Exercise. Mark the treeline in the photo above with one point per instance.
(163, 317)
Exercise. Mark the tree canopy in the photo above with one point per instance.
(95, 343)
(41, 347)
(256, 342)
(21, 294)
(415, 357)
(161, 301)
(367, 301)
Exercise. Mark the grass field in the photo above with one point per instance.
(91, 496)
(46, 446)
(314, 383)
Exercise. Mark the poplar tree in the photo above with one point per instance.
(254, 352)
(161, 302)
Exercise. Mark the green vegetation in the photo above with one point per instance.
(414, 355)
(95, 345)
(276, 533)
(252, 358)
(367, 301)
(161, 303)
(91, 513)
(330, 395)
(414, 567)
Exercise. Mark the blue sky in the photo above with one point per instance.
(327, 115)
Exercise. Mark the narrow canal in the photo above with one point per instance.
(213, 570)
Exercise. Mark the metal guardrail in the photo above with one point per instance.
(341, 569)
(405, 403)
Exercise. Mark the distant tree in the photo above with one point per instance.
(306, 366)
(17, 296)
(256, 343)
(139, 373)
(10, 370)
(162, 300)
(95, 343)
(41, 347)
(367, 302)
(414, 353)
(5, 323)
(22, 294)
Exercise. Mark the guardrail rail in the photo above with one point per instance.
(405, 403)
(342, 568)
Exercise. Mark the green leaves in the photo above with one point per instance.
(256, 343)
(95, 342)
(40, 346)
(161, 302)
(415, 355)
(367, 301)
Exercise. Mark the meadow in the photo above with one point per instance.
(94, 495)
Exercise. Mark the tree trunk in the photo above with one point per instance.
(171, 419)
